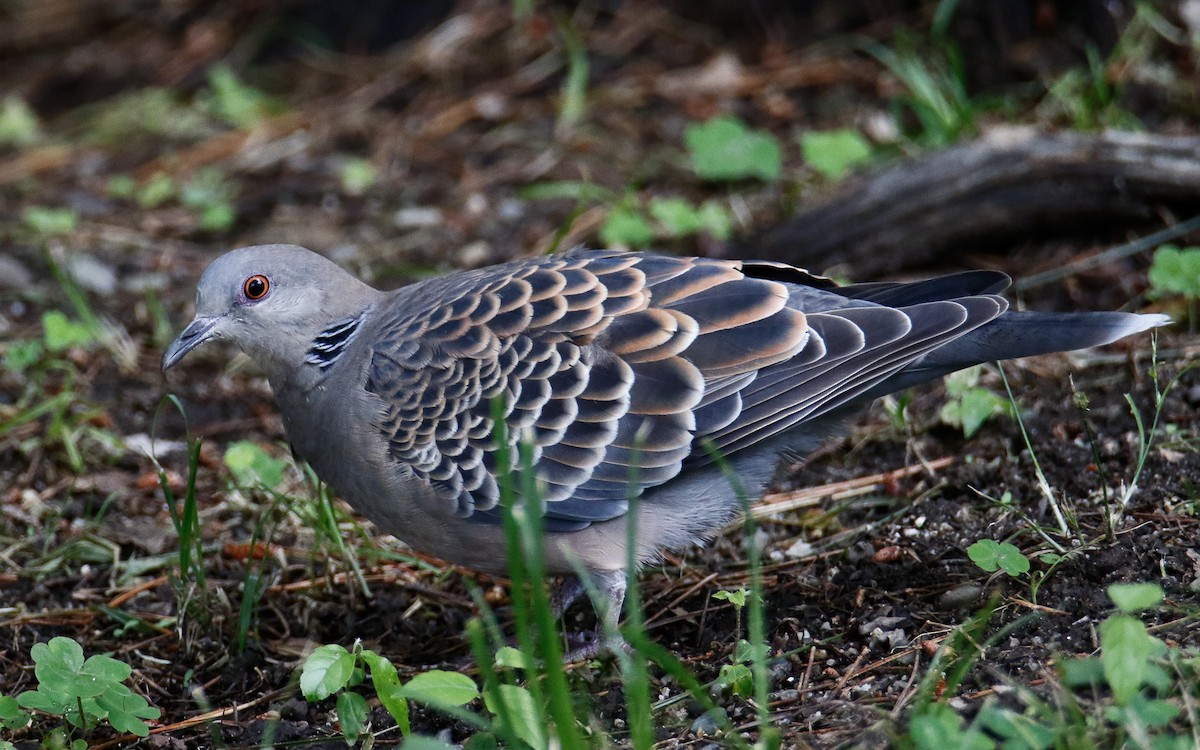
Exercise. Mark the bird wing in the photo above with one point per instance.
(615, 369)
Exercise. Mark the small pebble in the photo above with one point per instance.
(961, 596)
(417, 216)
(92, 274)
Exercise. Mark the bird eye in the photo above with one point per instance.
(256, 287)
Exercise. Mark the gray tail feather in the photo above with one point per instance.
(1022, 334)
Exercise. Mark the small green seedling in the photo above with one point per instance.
(1126, 646)
(992, 556)
(18, 122)
(229, 99)
(210, 194)
(725, 149)
(85, 692)
(737, 677)
(60, 333)
(968, 404)
(251, 465)
(358, 176)
(1175, 274)
(1150, 686)
(332, 669)
(1175, 271)
(159, 189)
(626, 225)
(45, 221)
(834, 153)
(938, 727)
(736, 597)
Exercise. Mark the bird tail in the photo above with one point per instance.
(1022, 334)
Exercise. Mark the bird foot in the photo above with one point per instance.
(587, 645)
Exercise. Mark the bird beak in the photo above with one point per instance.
(197, 332)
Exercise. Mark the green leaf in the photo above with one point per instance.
(106, 668)
(217, 217)
(736, 597)
(148, 111)
(126, 711)
(58, 666)
(61, 333)
(20, 355)
(1125, 648)
(1175, 271)
(481, 741)
(326, 671)
(984, 553)
(834, 153)
(352, 712)
(977, 406)
(517, 702)
(251, 465)
(1134, 597)
(157, 191)
(747, 652)
(626, 227)
(715, 220)
(387, 688)
(939, 728)
(737, 679)
(1019, 730)
(1086, 671)
(11, 715)
(513, 658)
(968, 405)
(992, 556)
(233, 101)
(122, 186)
(677, 216)
(18, 122)
(1157, 676)
(1145, 712)
(725, 149)
(358, 176)
(48, 222)
(441, 688)
(959, 382)
(46, 701)
(210, 194)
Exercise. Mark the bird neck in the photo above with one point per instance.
(300, 356)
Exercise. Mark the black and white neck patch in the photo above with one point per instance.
(330, 343)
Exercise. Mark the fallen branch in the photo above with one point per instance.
(1013, 183)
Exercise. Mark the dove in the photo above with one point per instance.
(625, 374)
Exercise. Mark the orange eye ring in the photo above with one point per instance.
(256, 287)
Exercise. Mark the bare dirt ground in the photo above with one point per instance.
(456, 122)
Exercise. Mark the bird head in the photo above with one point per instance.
(269, 300)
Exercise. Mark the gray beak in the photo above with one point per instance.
(197, 332)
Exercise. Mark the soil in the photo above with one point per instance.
(457, 121)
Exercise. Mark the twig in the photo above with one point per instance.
(782, 502)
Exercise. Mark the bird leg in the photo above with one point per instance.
(610, 586)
